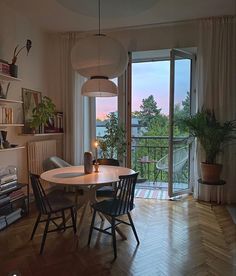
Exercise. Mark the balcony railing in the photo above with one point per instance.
(147, 150)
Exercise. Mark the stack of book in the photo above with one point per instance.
(8, 182)
(16, 195)
(13, 216)
(3, 222)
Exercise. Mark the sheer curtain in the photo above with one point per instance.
(76, 108)
(217, 85)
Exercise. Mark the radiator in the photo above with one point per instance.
(38, 151)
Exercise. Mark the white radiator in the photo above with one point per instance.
(38, 151)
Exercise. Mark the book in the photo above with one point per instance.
(15, 215)
(4, 201)
(5, 178)
(8, 185)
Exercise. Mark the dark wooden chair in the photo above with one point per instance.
(51, 208)
(121, 204)
(107, 190)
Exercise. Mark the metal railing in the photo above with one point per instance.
(147, 150)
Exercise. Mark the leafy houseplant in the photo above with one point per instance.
(13, 66)
(212, 135)
(43, 113)
(113, 143)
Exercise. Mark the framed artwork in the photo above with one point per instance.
(31, 99)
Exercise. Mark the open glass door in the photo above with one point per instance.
(181, 67)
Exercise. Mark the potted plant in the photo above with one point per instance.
(42, 114)
(13, 66)
(212, 136)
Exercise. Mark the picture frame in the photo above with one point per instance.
(31, 99)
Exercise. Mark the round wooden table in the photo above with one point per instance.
(75, 176)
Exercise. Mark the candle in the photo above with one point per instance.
(96, 151)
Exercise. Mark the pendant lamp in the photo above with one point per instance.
(99, 58)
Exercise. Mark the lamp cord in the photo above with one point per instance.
(99, 20)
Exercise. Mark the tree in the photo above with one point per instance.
(113, 142)
(148, 111)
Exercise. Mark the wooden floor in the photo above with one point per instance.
(177, 238)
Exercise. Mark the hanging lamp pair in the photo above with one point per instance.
(99, 58)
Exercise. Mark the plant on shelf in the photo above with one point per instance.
(42, 114)
(113, 144)
(212, 136)
(13, 66)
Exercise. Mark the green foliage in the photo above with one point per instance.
(210, 132)
(113, 143)
(148, 111)
(43, 112)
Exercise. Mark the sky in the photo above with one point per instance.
(151, 78)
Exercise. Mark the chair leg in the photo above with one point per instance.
(63, 220)
(91, 227)
(133, 228)
(45, 234)
(35, 226)
(113, 231)
(73, 216)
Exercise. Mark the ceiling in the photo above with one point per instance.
(82, 14)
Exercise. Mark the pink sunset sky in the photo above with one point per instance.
(151, 78)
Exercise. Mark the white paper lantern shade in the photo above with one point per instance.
(99, 55)
(99, 87)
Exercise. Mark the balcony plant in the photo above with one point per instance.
(212, 136)
(42, 114)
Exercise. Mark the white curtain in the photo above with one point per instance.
(217, 86)
(76, 108)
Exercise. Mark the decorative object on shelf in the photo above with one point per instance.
(42, 114)
(4, 67)
(13, 66)
(31, 99)
(88, 162)
(212, 136)
(4, 92)
(5, 143)
(99, 58)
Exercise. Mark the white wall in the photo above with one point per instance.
(16, 29)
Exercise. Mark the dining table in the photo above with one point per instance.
(74, 176)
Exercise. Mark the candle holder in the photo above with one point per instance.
(96, 167)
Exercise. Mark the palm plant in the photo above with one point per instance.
(211, 134)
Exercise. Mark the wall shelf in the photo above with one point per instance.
(5, 77)
(42, 134)
(13, 148)
(5, 101)
(11, 125)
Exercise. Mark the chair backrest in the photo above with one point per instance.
(180, 157)
(124, 194)
(41, 200)
(54, 162)
(108, 161)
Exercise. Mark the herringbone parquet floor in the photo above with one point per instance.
(177, 238)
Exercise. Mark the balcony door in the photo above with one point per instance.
(181, 101)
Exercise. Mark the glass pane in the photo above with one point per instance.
(182, 87)
(150, 122)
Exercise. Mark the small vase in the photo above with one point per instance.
(13, 70)
(88, 162)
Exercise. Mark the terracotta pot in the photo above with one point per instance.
(211, 172)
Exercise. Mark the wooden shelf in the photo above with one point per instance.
(11, 125)
(14, 148)
(9, 101)
(42, 134)
(8, 78)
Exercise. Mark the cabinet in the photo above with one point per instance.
(6, 111)
(14, 204)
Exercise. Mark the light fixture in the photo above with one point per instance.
(99, 58)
